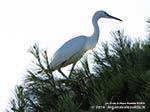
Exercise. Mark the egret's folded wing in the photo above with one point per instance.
(70, 48)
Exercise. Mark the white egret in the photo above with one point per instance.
(71, 51)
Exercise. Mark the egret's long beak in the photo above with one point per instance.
(112, 17)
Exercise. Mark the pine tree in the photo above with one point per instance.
(120, 73)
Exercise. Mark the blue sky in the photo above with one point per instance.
(50, 24)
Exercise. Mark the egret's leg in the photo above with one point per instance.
(72, 67)
(59, 70)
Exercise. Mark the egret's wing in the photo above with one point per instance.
(70, 48)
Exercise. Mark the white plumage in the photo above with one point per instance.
(74, 49)
(71, 51)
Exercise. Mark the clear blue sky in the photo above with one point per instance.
(51, 23)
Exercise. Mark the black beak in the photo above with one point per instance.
(112, 17)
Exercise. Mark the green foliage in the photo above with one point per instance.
(120, 73)
(66, 104)
(19, 104)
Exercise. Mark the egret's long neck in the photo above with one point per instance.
(93, 39)
(95, 34)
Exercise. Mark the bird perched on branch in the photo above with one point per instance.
(71, 51)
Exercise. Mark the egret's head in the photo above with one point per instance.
(103, 14)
